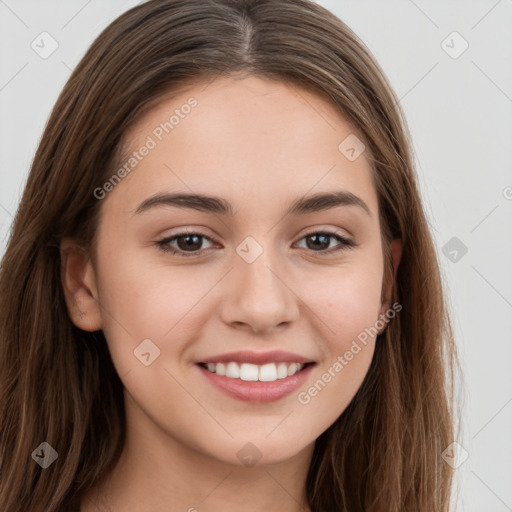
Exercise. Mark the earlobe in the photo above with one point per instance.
(79, 285)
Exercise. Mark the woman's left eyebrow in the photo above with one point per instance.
(211, 204)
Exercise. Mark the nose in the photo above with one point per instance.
(258, 295)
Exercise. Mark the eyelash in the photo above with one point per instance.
(164, 244)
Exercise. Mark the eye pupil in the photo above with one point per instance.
(316, 237)
(192, 245)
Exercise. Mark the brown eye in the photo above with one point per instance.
(318, 241)
(188, 244)
(321, 240)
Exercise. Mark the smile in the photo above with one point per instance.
(249, 372)
(258, 391)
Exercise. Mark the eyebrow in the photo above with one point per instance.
(211, 204)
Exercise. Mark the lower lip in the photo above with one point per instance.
(256, 391)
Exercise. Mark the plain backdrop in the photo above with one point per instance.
(450, 63)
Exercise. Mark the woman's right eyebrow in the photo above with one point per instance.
(212, 204)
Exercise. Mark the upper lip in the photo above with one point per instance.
(259, 358)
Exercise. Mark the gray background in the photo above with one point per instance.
(460, 114)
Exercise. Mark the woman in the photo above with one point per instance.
(302, 359)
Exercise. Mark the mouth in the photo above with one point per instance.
(256, 377)
(249, 372)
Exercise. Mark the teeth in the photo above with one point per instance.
(268, 372)
(248, 371)
(282, 371)
(292, 369)
(252, 372)
(233, 371)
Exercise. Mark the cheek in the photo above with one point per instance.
(149, 301)
(345, 298)
(348, 306)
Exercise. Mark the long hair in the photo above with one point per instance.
(58, 383)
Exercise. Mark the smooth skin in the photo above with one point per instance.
(260, 145)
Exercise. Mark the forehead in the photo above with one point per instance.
(243, 137)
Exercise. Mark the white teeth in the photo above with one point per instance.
(268, 372)
(233, 371)
(282, 371)
(248, 371)
(292, 368)
(253, 372)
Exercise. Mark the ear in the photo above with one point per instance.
(396, 252)
(79, 284)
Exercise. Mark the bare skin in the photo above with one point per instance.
(259, 145)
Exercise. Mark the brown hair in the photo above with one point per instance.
(384, 452)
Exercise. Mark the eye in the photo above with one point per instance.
(190, 243)
(321, 240)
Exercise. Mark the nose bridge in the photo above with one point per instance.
(259, 292)
(258, 266)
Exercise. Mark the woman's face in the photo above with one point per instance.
(258, 286)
